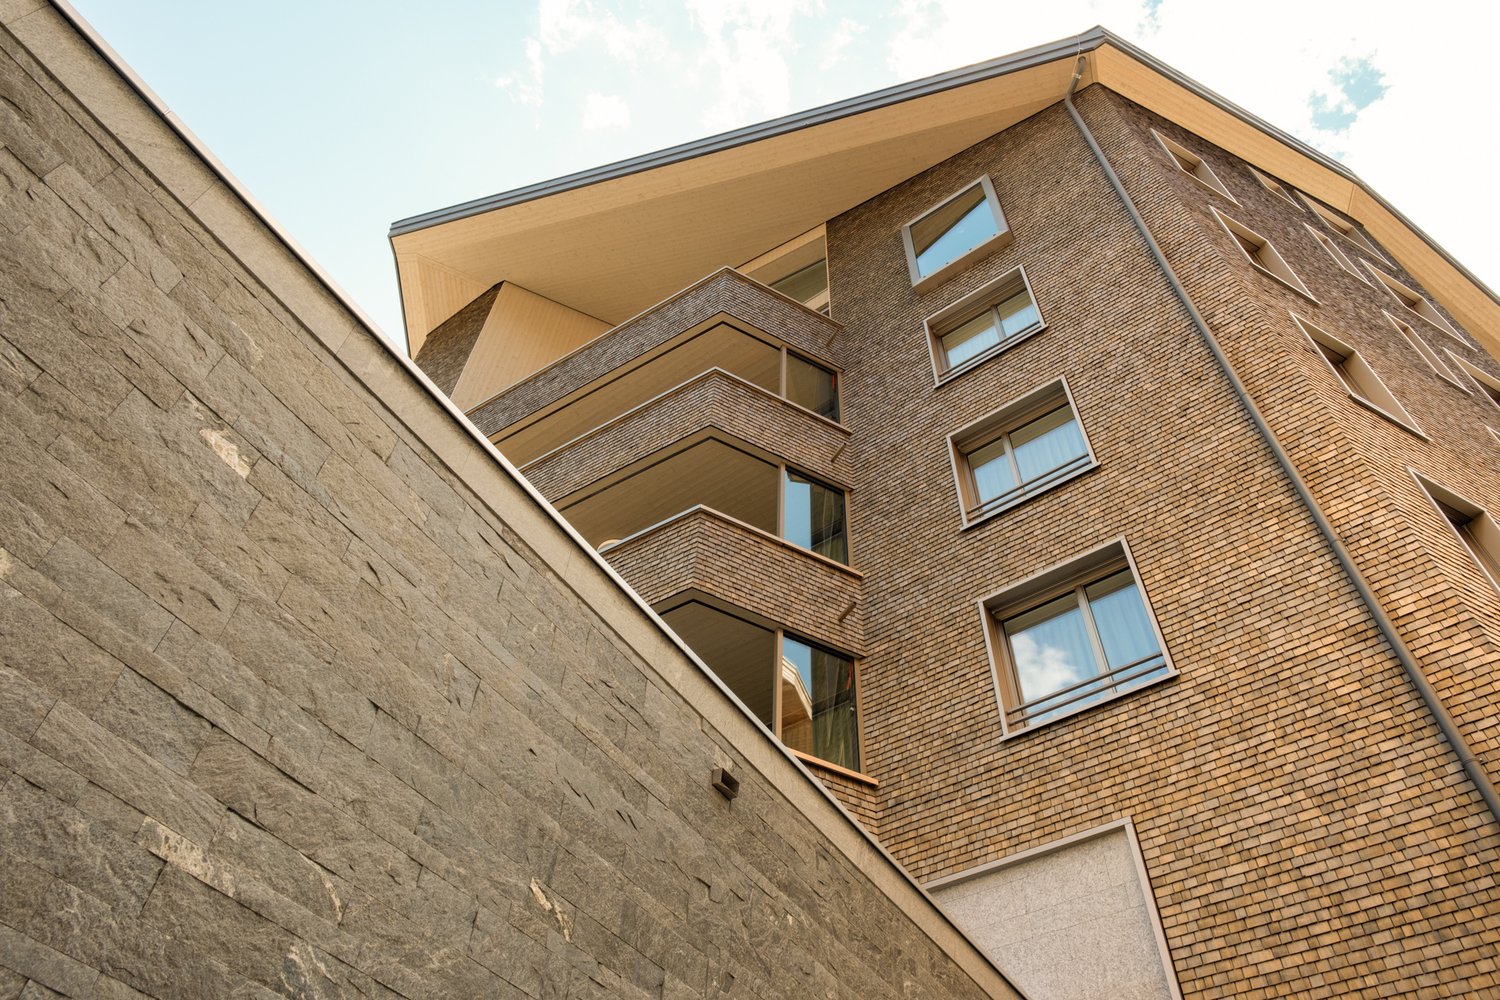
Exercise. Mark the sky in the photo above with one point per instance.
(343, 117)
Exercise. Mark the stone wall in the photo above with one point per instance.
(301, 691)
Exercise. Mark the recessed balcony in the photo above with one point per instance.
(726, 321)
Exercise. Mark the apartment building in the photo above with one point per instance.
(1088, 482)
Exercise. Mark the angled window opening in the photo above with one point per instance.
(945, 240)
(1274, 186)
(1414, 302)
(1471, 522)
(1021, 450)
(1433, 359)
(1488, 384)
(997, 315)
(1073, 637)
(1193, 165)
(1331, 248)
(1357, 376)
(1348, 230)
(1260, 252)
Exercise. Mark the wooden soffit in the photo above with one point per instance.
(611, 242)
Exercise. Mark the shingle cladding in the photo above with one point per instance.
(446, 349)
(301, 693)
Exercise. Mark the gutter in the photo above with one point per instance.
(1470, 762)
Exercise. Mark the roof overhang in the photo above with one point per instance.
(610, 241)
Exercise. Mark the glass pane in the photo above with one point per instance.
(805, 284)
(1018, 313)
(951, 231)
(812, 386)
(992, 472)
(970, 339)
(1051, 649)
(734, 649)
(1120, 614)
(818, 703)
(813, 517)
(1047, 443)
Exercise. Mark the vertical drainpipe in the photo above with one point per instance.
(1472, 766)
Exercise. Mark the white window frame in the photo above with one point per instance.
(1385, 402)
(986, 296)
(1332, 249)
(1001, 239)
(1434, 361)
(1487, 384)
(1002, 421)
(1348, 230)
(1423, 310)
(1032, 591)
(1180, 155)
(1483, 540)
(1236, 229)
(1274, 186)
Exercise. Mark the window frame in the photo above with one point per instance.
(1237, 230)
(1395, 287)
(1487, 384)
(1484, 551)
(1036, 590)
(1332, 249)
(1427, 352)
(1274, 186)
(999, 423)
(1178, 153)
(986, 296)
(784, 473)
(1346, 228)
(1000, 240)
(1391, 409)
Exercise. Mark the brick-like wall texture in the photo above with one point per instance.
(300, 693)
(1306, 829)
(446, 349)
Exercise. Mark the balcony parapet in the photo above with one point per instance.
(711, 553)
(715, 400)
(726, 294)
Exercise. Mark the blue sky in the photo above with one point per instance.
(343, 117)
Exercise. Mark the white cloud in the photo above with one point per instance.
(747, 46)
(525, 84)
(604, 111)
(839, 40)
(569, 25)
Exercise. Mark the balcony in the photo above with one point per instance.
(707, 552)
(725, 321)
(714, 403)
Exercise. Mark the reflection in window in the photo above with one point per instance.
(805, 285)
(1081, 647)
(812, 386)
(813, 517)
(952, 229)
(818, 714)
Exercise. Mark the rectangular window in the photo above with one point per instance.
(819, 713)
(1472, 523)
(954, 234)
(1356, 374)
(1260, 253)
(1414, 302)
(813, 516)
(1193, 165)
(1072, 637)
(810, 385)
(983, 323)
(1019, 451)
(1434, 361)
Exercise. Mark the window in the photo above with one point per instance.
(1272, 185)
(1344, 227)
(1471, 522)
(1333, 251)
(1430, 356)
(811, 385)
(1259, 251)
(1020, 450)
(808, 285)
(803, 692)
(1415, 302)
(982, 324)
(813, 516)
(1193, 165)
(953, 234)
(1488, 384)
(1072, 637)
(1356, 374)
(819, 714)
